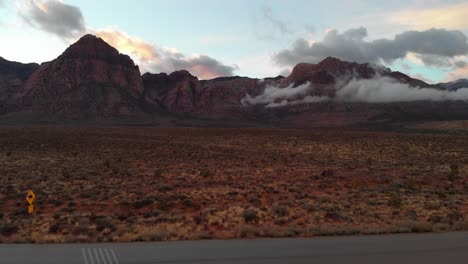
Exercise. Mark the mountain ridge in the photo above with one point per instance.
(93, 79)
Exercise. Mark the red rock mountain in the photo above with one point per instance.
(90, 79)
(182, 93)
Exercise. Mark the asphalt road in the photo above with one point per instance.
(423, 248)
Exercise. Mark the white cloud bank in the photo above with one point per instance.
(376, 90)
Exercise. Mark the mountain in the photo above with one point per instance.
(13, 75)
(455, 85)
(332, 70)
(224, 97)
(90, 79)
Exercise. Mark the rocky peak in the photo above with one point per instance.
(90, 47)
(331, 61)
(181, 75)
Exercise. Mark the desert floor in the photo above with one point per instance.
(119, 184)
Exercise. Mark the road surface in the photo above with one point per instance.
(413, 248)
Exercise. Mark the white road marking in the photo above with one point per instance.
(102, 256)
(84, 256)
(90, 256)
(97, 258)
(108, 256)
(113, 255)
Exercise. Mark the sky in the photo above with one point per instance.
(255, 38)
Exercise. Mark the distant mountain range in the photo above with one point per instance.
(455, 85)
(92, 80)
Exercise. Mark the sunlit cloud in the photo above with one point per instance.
(459, 73)
(135, 47)
(154, 58)
(449, 17)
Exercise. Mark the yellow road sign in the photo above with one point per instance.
(30, 209)
(30, 197)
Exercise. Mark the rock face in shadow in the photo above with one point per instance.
(13, 75)
(90, 79)
(178, 92)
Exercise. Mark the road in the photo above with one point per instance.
(413, 248)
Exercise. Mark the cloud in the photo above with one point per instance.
(449, 17)
(154, 58)
(386, 90)
(65, 21)
(274, 96)
(433, 46)
(460, 64)
(376, 90)
(135, 47)
(459, 73)
(272, 28)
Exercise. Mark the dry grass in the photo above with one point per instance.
(151, 184)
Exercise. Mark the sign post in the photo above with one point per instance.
(30, 199)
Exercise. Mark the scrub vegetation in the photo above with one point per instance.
(119, 184)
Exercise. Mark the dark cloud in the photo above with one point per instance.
(434, 46)
(435, 60)
(65, 21)
(460, 64)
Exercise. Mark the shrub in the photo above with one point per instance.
(206, 173)
(138, 204)
(246, 231)
(205, 235)
(102, 224)
(54, 228)
(453, 174)
(420, 227)
(152, 236)
(157, 173)
(164, 188)
(280, 211)
(250, 215)
(395, 200)
(8, 229)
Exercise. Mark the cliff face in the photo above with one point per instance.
(13, 76)
(90, 79)
(178, 92)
